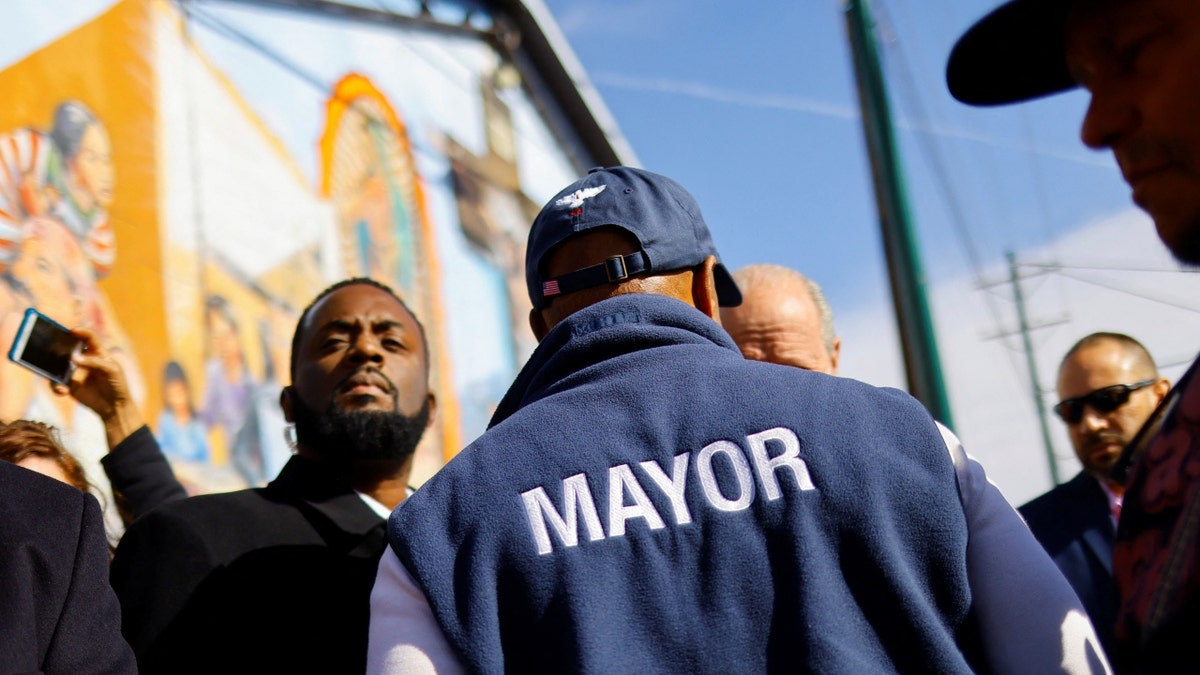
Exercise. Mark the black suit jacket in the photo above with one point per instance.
(137, 468)
(274, 579)
(1073, 523)
(57, 612)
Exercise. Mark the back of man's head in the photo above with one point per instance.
(621, 230)
(784, 318)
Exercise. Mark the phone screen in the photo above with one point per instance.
(45, 347)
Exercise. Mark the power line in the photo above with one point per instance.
(932, 150)
(1041, 198)
(1097, 268)
(230, 33)
(933, 155)
(1118, 289)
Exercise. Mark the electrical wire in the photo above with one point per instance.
(1113, 287)
(228, 32)
(1097, 268)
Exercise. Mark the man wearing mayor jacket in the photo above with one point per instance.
(647, 500)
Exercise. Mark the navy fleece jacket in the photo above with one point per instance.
(648, 501)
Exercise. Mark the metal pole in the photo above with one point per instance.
(1019, 298)
(917, 339)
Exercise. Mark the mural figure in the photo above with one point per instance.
(370, 177)
(371, 213)
(66, 174)
(49, 271)
(56, 242)
(82, 179)
(228, 386)
(261, 434)
(180, 432)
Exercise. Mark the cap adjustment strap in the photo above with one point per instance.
(614, 269)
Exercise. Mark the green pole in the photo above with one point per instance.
(921, 362)
(1019, 299)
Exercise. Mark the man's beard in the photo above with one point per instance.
(345, 436)
(1102, 467)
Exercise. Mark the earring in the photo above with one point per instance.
(289, 436)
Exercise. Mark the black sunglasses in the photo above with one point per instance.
(1104, 400)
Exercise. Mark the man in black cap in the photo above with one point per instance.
(647, 500)
(1139, 60)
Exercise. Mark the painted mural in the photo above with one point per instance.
(183, 183)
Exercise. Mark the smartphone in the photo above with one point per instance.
(45, 347)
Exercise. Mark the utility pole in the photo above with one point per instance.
(922, 364)
(1025, 328)
(1023, 323)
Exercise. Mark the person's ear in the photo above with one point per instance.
(704, 289)
(1161, 388)
(537, 323)
(432, 410)
(285, 402)
(835, 355)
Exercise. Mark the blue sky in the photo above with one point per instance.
(755, 112)
(753, 109)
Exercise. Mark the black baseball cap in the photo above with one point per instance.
(656, 210)
(1015, 53)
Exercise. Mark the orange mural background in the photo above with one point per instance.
(239, 190)
(119, 88)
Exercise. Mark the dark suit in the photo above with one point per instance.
(1073, 523)
(274, 579)
(137, 469)
(57, 612)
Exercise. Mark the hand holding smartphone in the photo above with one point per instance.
(45, 347)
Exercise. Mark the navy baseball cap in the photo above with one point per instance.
(1015, 53)
(656, 210)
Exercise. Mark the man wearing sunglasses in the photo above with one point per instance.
(1108, 386)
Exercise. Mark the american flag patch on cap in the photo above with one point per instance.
(550, 288)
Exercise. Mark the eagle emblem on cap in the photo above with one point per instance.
(575, 199)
